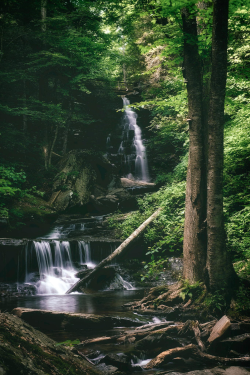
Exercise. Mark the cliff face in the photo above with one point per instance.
(82, 175)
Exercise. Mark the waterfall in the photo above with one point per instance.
(132, 148)
(50, 266)
(54, 261)
(85, 253)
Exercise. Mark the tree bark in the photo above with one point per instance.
(43, 14)
(66, 130)
(53, 145)
(194, 247)
(116, 253)
(25, 122)
(220, 270)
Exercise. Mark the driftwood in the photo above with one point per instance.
(103, 340)
(192, 326)
(173, 329)
(117, 252)
(192, 351)
(83, 356)
(197, 335)
(153, 327)
(219, 329)
(168, 355)
(213, 359)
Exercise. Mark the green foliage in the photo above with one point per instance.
(242, 300)
(153, 268)
(191, 291)
(165, 234)
(216, 301)
(69, 343)
(11, 183)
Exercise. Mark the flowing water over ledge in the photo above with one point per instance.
(132, 147)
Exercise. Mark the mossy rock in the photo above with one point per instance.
(82, 175)
(24, 350)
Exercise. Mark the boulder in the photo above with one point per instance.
(108, 369)
(120, 360)
(82, 175)
(238, 344)
(233, 370)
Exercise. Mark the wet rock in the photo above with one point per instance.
(239, 344)
(108, 369)
(53, 320)
(24, 350)
(120, 360)
(233, 370)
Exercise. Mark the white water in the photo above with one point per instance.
(56, 271)
(140, 169)
(55, 264)
(85, 253)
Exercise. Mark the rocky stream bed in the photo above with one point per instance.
(116, 325)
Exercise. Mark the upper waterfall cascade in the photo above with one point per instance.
(132, 147)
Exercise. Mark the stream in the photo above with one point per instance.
(36, 273)
(50, 264)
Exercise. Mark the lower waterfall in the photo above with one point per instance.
(51, 266)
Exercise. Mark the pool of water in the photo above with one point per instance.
(100, 303)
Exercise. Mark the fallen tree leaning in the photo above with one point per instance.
(117, 252)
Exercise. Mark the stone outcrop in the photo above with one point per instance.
(24, 350)
(89, 183)
(82, 175)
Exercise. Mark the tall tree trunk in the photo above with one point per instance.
(25, 122)
(43, 87)
(65, 137)
(219, 268)
(194, 247)
(43, 14)
(66, 130)
(53, 145)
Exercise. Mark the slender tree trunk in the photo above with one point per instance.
(25, 122)
(53, 145)
(220, 270)
(194, 247)
(43, 14)
(43, 87)
(66, 130)
(46, 148)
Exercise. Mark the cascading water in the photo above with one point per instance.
(132, 148)
(56, 271)
(84, 249)
(50, 266)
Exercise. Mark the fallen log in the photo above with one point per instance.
(168, 355)
(116, 253)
